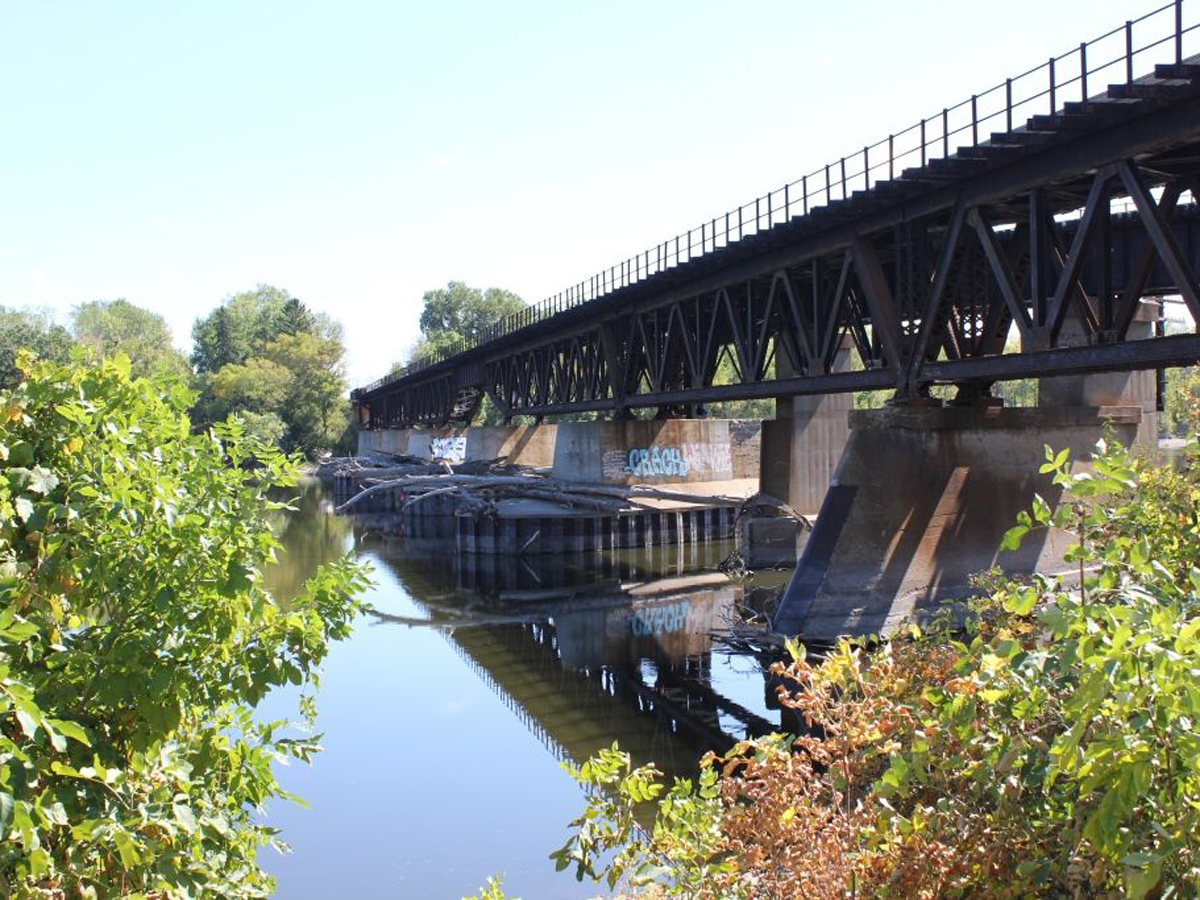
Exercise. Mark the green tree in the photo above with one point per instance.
(240, 327)
(458, 311)
(112, 327)
(32, 331)
(296, 319)
(136, 638)
(316, 408)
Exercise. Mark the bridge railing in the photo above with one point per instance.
(1121, 55)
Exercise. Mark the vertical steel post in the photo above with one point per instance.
(1083, 92)
(866, 170)
(1128, 52)
(1053, 105)
(974, 121)
(945, 131)
(1178, 31)
(1008, 104)
(891, 156)
(804, 192)
(922, 143)
(843, 178)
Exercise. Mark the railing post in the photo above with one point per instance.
(974, 121)
(922, 143)
(891, 156)
(843, 177)
(1178, 31)
(828, 187)
(757, 215)
(804, 192)
(1128, 52)
(1083, 74)
(787, 203)
(1053, 105)
(866, 170)
(1008, 104)
(945, 132)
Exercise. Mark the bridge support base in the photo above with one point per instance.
(920, 502)
(801, 447)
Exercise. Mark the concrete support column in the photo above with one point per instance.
(1110, 389)
(920, 502)
(802, 445)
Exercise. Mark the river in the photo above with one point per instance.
(444, 727)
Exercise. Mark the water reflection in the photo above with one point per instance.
(424, 707)
(592, 648)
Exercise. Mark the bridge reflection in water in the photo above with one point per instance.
(596, 648)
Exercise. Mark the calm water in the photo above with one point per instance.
(444, 726)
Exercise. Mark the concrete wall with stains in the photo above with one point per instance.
(671, 451)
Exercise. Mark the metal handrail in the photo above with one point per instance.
(919, 144)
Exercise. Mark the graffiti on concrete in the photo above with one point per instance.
(451, 449)
(656, 620)
(704, 460)
(651, 461)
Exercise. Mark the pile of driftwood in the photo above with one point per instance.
(478, 494)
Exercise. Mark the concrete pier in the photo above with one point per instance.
(920, 502)
(670, 451)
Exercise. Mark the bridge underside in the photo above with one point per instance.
(925, 277)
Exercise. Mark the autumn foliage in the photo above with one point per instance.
(1047, 747)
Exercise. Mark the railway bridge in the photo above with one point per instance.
(1032, 230)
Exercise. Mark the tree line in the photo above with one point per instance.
(261, 354)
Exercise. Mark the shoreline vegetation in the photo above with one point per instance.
(137, 638)
(1048, 749)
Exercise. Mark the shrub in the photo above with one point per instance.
(1050, 749)
(136, 638)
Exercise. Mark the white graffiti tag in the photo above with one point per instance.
(451, 449)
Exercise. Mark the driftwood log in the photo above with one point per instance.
(481, 492)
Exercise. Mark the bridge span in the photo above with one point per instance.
(1058, 210)
(1043, 245)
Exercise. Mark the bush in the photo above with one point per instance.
(1050, 750)
(136, 638)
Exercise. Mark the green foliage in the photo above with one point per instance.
(113, 327)
(273, 358)
(493, 890)
(463, 311)
(136, 638)
(240, 327)
(32, 331)
(1051, 749)
(1181, 413)
(610, 843)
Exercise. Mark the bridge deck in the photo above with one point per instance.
(924, 274)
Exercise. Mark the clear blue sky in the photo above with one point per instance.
(358, 153)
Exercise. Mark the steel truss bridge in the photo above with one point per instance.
(922, 260)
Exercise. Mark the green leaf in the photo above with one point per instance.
(72, 730)
(1012, 537)
(1141, 881)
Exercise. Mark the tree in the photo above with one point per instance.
(137, 637)
(316, 407)
(111, 327)
(296, 319)
(32, 331)
(465, 312)
(241, 326)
